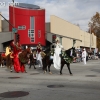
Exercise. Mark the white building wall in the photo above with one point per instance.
(0, 24)
(62, 27)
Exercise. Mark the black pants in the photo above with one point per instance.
(86, 58)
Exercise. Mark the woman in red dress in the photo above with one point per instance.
(16, 51)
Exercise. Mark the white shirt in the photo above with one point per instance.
(84, 54)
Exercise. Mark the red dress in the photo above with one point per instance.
(17, 66)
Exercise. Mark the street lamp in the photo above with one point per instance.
(90, 36)
(91, 28)
(14, 29)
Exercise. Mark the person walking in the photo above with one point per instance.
(39, 58)
(84, 56)
(32, 60)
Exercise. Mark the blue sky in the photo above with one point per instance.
(73, 11)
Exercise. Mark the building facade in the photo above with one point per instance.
(30, 34)
(0, 24)
(5, 36)
(64, 28)
(29, 20)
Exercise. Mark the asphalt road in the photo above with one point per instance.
(83, 85)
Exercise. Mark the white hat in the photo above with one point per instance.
(57, 39)
(84, 49)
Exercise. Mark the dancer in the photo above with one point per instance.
(16, 51)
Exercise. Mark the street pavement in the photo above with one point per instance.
(83, 85)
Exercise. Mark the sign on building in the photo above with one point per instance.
(23, 27)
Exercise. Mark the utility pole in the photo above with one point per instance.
(6, 20)
(13, 14)
(14, 29)
(90, 36)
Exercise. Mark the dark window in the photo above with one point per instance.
(32, 39)
(31, 22)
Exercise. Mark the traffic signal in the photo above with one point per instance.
(17, 37)
(53, 38)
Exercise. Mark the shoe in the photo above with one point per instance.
(25, 71)
(10, 70)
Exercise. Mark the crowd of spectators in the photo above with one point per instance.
(90, 55)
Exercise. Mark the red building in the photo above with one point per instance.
(30, 21)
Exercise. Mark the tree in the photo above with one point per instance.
(94, 27)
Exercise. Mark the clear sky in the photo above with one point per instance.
(73, 11)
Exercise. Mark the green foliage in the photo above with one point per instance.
(66, 58)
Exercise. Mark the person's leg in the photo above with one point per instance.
(40, 63)
(40, 60)
(30, 64)
(85, 61)
(17, 67)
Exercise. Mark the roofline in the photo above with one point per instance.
(26, 8)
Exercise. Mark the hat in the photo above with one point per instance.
(84, 49)
(57, 39)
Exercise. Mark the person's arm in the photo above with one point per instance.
(82, 55)
(11, 56)
(18, 47)
(41, 48)
(61, 47)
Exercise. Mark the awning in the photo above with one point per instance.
(64, 36)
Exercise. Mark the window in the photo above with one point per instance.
(31, 22)
(32, 39)
(31, 31)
